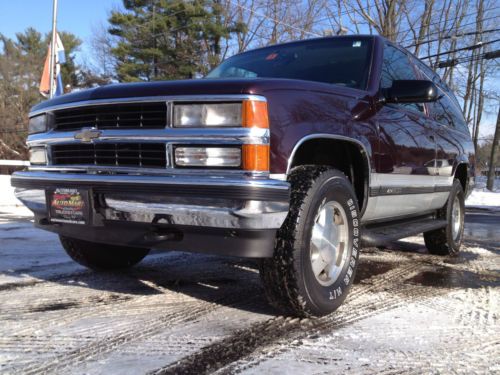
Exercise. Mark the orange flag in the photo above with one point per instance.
(60, 58)
(45, 82)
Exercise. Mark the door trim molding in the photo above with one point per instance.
(406, 190)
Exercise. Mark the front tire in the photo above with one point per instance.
(317, 247)
(447, 240)
(99, 256)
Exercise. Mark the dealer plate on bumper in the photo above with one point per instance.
(68, 205)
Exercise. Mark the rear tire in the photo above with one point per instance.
(447, 240)
(317, 247)
(99, 256)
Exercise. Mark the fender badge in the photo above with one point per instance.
(88, 135)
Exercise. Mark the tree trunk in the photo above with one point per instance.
(494, 152)
(471, 77)
(479, 108)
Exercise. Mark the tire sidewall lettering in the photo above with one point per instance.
(337, 292)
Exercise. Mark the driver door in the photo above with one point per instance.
(406, 151)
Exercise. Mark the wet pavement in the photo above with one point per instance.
(409, 312)
(482, 225)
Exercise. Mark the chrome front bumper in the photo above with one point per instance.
(228, 202)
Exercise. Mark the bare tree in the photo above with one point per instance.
(473, 66)
(382, 16)
(101, 43)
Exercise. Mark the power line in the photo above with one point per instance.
(453, 36)
(474, 46)
(465, 24)
(484, 56)
(445, 21)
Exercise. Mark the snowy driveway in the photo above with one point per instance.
(185, 313)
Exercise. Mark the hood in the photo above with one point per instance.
(194, 87)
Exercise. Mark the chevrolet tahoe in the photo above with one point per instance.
(296, 154)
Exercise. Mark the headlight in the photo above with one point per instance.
(216, 114)
(38, 155)
(37, 124)
(208, 156)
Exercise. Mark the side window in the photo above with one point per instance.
(432, 75)
(396, 66)
(428, 72)
(447, 113)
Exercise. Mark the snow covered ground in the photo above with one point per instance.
(178, 313)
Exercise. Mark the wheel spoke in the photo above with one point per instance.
(318, 265)
(322, 243)
(317, 236)
(329, 226)
(340, 254)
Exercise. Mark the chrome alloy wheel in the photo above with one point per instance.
(329, 243)
(456, 218)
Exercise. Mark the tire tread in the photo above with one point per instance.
(278, 273)
(439, 241)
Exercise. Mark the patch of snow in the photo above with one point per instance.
(483, 198)
(8, 201)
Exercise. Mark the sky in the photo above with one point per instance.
(76, 16)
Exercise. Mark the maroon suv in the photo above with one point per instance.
(298, 154)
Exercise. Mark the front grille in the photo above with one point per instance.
(113, 116)
(146, 155)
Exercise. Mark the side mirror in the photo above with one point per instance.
(411, 91)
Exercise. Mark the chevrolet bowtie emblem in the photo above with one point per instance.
(88, 135)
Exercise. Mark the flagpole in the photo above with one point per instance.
(52, 59)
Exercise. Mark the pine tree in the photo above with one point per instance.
(168, 39)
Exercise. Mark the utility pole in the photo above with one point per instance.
(52, 58)
(494, 152)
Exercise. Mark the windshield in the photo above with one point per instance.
(339, 61)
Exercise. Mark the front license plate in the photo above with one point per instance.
(68, 205)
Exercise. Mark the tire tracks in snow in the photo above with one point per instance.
(180, 314)
(358, 308)
(177, 309)
(236, 352)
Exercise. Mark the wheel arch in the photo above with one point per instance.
(462, 174)
(357, 167)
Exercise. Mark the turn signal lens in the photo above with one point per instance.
(256, 157)
(254, 114)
